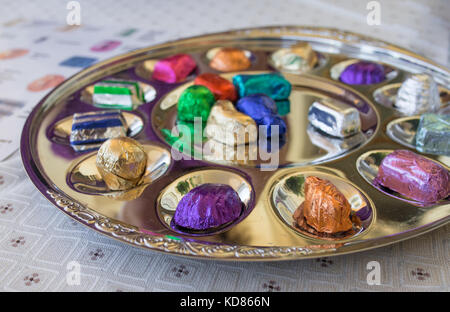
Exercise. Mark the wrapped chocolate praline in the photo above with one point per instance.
(363, 73)
(206, 207)
(334, 117)
(121, 162)
(298, 58)
(433, 134)
(195, 101)
(229, 59)
(174, 69)
(325, 209)
(273, 85)
(117, 94)
(227, 125)
(222, 88)
(91, 129)
(263, 110)
(418, 94)
(414, 176)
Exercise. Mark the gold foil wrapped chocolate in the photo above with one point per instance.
(121, 162)
(228, 126)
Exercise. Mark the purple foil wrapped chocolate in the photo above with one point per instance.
(363, 73)
(207, 206)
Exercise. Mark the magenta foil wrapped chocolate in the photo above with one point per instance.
(174, 68)
(414, 176)
(206, 207)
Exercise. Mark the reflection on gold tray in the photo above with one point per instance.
(264, 231)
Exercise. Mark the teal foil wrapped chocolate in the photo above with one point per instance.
(272, 85)
(284, 107)
(433, 134)
(195, 101)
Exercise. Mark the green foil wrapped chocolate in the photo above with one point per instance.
(272, 85)
(433, 134)
(195, 101)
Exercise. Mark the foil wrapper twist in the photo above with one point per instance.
(121, 162)
(90, 130)
(418, 94)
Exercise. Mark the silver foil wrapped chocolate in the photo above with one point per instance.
(90, 130)
(418, 94)
(334, 117)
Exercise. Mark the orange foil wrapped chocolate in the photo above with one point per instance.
(230, 59)
(325, 208)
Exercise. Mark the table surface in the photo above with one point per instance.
(37, 242)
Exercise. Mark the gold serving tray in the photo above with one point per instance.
(264, 231)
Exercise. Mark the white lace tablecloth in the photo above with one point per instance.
(37, 241)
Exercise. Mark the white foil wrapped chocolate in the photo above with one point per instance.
(118, 94)
(334, 118)
(229, 126)
(90, 130)
(418, 94)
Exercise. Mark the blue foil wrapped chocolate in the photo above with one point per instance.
(207, 206)
(335, 118)
(263, 110)
(90, 130)
(273, 85)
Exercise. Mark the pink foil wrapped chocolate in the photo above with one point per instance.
(414, 176)
(207, 206)
(174, 68)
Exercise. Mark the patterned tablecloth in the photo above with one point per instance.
(37, 242)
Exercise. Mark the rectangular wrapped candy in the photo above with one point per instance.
(433, 134)
(118, 94)
(414, 176)
(334, 118)
(89, 130)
